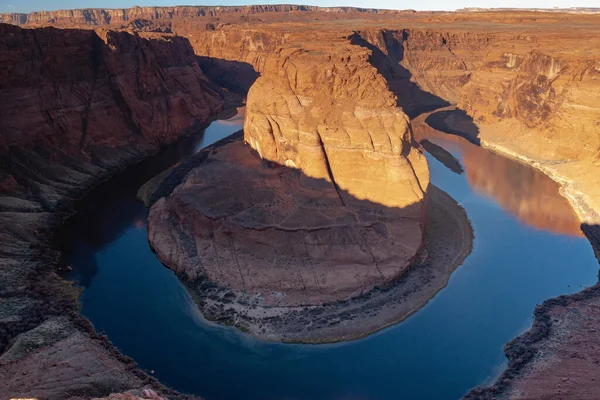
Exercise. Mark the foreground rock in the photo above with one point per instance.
(338, 211)
(77, 106)
(281, 258)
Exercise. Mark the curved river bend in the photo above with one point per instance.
(522, 255)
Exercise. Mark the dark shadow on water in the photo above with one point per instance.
(443, 156)
(117, 198)
(236, 76)
(592, 232)
(455, 122)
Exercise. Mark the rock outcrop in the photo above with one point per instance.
(76, 106)
(331, 115)
(330, 205)
(526, 83)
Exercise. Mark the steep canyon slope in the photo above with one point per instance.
(77, 106)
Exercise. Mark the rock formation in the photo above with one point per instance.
(526, 84)
(83, 102)
(339, 211)
(76, 107)
(331, 115)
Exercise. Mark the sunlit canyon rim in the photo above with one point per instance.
(323, 220)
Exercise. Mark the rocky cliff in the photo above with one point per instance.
(119, 16)
(330, 114)
(330, 204)
(519, 92)
(76, 106)
(87, 101)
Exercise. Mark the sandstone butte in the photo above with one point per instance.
(525, 83)
(351, 219)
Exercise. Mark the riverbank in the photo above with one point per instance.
(447, 241)
(581, 195)
(48, 349)
(559, 354)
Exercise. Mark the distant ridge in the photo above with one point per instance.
(106, 16)
(569, 10)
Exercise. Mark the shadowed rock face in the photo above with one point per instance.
(76, 106)
(79, 90)
(279, 236)
(330, 114)
(79, 104)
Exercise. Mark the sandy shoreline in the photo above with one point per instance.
(579, 200)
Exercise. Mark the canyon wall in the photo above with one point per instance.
(76, 106)
(90, 100)
(524, 93)
(330, 114)
(120, 16)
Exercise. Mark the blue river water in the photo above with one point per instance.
(452, 344)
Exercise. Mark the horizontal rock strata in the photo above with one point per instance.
(329, 205)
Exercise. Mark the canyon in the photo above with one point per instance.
(78, 106)
(337, 100)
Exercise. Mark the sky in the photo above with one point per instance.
(26, 6)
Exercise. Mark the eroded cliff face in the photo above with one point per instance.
(330, 204)
(100, 17)
(82, 102)
(331, 115)
(518, 93)
(75, 107)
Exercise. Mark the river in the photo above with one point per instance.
(527, 248)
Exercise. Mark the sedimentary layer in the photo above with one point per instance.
(324, 202)
(281, 258)
(528, 81)
(76, 107)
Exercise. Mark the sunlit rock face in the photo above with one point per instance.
(324, 202)
(331, 115)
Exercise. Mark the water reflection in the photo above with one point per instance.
(117, 199)
(215, 131)
(452, 344)
(523, 191)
